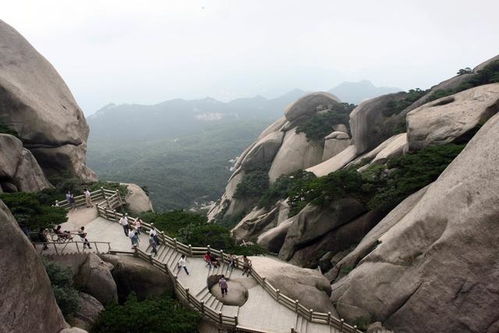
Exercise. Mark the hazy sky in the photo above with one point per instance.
(149, 51)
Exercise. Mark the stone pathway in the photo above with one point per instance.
(260, 312)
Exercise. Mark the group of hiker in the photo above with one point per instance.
(63, 235)
(70, 198)
(132, 230)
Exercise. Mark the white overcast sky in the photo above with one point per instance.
(149, 51)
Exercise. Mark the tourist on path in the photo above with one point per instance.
(182, 263)
(232, 261)
(223, 285)
(207, 259)
(246, 266)
(138, 225)
(154, 234)
(88, 198)
(124, 223)
(62, 235)
(43, 235)
(83, 236)
(134, 237)
(154, 245)
(71, 200)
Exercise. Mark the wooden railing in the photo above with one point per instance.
(60, 248)
(109, 198)
(195, 251)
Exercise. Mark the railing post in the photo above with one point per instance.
(296, 305)
(342, 322)
(150, 258)
(222, 255)
(220, 317)
(77, 247)
(96, 247)
(105, 197)
(329, 318)
(188, 295)
(278, 293)
(190, 250)
(166, 268)
(355, 328)
(310, 314)
(55, 248)
(136, 252)
(175, 243)
(202, 307)
(119, 197)
(263, 281)
(236, 320)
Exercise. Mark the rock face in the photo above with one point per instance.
(451, 118)
(88, 311)
(313, 222)
(334, 163)
(440, 260)
(371, 124)
(19, 168)
(35, 101)
(138, 201)
(264, 151)
(309, 104)
(94, 277)
(334, 144)
(295, 153)
(27, 302)
(135, 275)
(306, 285)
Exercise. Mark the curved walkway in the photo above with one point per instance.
(260, 313)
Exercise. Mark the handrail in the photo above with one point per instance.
(106, 209)
(65, 244)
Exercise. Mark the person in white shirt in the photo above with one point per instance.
(88, 198)
(182, 263)
(124, 223)
(153, 233)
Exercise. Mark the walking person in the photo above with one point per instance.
(124, 223)
(207, 259)
(134, 237)
(154, 246)
(232, 261)
(182, 263)
(154, 234)
(223, 285)
(71, 200)
(246, 266)
(138, 225)
(83, 236)
(88, 198)
(43, 235)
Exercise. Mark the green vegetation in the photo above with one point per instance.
(178, 172)
(32, 210)
(489, 74)
(192, 228)
(62, 284)
(395, 107)
(253, 184)
(463, 71)
(153, 315)
(380, 186)
(322, 123)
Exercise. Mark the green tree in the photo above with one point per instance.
(153, 315)
(66, 295)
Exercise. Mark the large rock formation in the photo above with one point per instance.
(309, 104)
(306, 285)
(371, 123)
(87, 313)
(37, 104)
(435, 270)
(27, 302)
(295, 153)
(94, 277)
(452, 118)
(135, 275)
(138, 201)
(19, 170)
